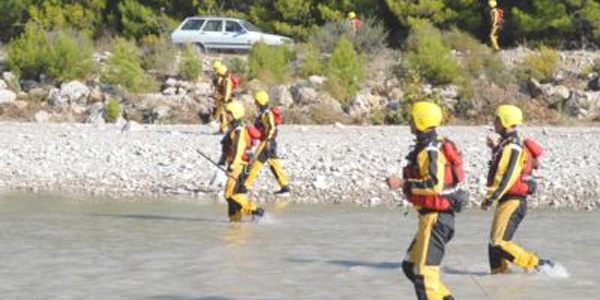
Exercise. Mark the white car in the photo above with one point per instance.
(222, 33)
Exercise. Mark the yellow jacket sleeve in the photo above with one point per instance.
(239, 144)
(431, 165)
(504, 172)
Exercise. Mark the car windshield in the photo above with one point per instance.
(193, 24)
(249, 26)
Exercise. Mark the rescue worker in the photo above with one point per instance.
(266, 152)
(496, 15)
(509, 183)
(355, 22)
(223, 95)
(426, 183)
(235, 147)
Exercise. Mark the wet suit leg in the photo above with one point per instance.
(425, 254)
(509, 214)
(494, 38)
(238, 202)
(267, 156)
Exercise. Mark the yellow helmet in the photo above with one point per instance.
(426, 115)
(221, 70)
(217, 64)
(492, 3)
(262, 98)
(509, 115)
(351, 15)
(236, 109)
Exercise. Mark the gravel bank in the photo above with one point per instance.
(326, 164)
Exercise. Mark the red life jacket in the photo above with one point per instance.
(532, 152)
(453, 176)
(277, 115)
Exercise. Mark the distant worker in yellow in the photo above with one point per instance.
(355, 22)
(266, 122)
(509, 183)
(226, 83)
(496, 20)
(430, 182)
(236, 145)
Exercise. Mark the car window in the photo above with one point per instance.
(193, 24)
(213, 25)
(233, 26)
(249, 26)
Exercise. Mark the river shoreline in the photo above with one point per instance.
(326, 164)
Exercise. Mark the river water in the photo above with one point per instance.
(58, 247)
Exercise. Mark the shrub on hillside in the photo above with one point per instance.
(428, 55)
(270, 64)
(311, 64)
(70, 56)
(113, 110)
(24, 53)
(124, 68)
(64, 55)
(346, 71)
(371, 38)
(160, 55)
(190, 65)
(539, 65)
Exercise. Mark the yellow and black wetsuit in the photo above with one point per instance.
(505, 168)
(235, 145)
(224, 90)
(266, 151)
(424, 182)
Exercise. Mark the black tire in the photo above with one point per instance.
(199, 49)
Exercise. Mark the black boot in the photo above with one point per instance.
(544, 262)
(259, 212)
(284, 191)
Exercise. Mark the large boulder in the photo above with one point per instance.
(3, 85)
(282, 95)
(304, 94)
(7, 96)
(584, 104)
(72, 92)
(364, 102)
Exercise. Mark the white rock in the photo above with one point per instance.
(161, 111)
(72, 92)
(317, 81)
(41, 116)
(282, 95)
(3, 85)
(7, 96)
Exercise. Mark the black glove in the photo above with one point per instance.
(532, 186)
(458, 200)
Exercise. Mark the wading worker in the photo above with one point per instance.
(509, 183)
(266, 152)
(236, 145)
(432, 173)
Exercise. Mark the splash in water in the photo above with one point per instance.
(555, 271)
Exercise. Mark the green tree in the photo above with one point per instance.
(346, 71)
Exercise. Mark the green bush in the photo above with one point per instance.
(427, 54)
(371, 38)
(160, 55)
(539, 65)
(124, 67)
(190, 65)
(64, 55)
(239, 67)
(346, 71)
(113, 110)
(311, 64)
(25, 54)
(270, 64)
(70, 56)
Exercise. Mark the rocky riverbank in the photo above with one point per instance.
(326, 164)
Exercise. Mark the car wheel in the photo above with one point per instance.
(199, 49)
